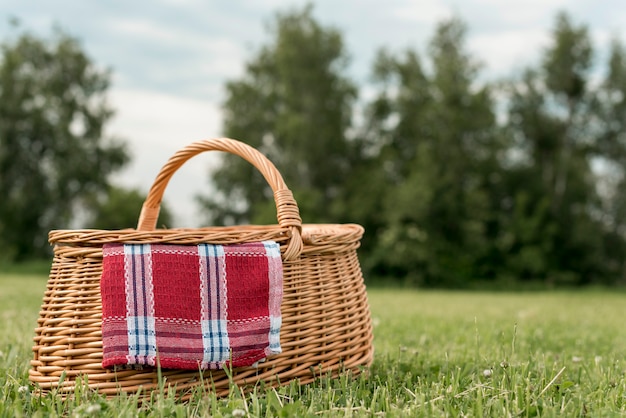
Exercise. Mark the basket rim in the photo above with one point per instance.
(312, 234)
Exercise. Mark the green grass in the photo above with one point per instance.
(437, 354)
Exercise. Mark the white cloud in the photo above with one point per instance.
(430, 11)
(224, 54)
(144, 28)
(509, 51)
(176, 36)
(520, 13)
(156, 126)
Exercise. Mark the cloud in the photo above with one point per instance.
(430, 11)
(519, 13)
(509, 51)
(174, 58)
(157, 125)
(170, 35)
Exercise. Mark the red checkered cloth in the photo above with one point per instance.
(190, 307)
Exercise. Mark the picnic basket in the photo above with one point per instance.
(326, 326)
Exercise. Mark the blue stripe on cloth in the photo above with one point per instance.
(213, 255)
(213, 250)
(272, 249)
(136, 249)
(142, 339)
(140, 320)
(215, 340)
(274, 335)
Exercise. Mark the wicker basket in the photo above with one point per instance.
(326, 321)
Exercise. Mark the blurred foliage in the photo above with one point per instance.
(294, 104)
(563, 124)
(119, 208)
(53, 150)
(456, 180)
(439, 148)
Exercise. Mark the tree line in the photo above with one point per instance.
(455, 179)
(458, 181)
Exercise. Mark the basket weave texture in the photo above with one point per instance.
(326, 320)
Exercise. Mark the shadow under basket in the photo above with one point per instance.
(326, 326)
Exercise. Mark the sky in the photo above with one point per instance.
(170, 59)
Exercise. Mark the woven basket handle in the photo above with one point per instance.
(286, 207)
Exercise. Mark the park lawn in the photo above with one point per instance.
(560, 353)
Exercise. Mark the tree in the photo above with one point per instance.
(294, 104)
(119, 208)
(447, 194)
(563, 124)
(438, 146)
(611, 111)
(53, 151)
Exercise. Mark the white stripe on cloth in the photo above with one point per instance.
(275, 271)
(215, 341)
(140, 309)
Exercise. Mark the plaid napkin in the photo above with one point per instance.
(190, 307)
